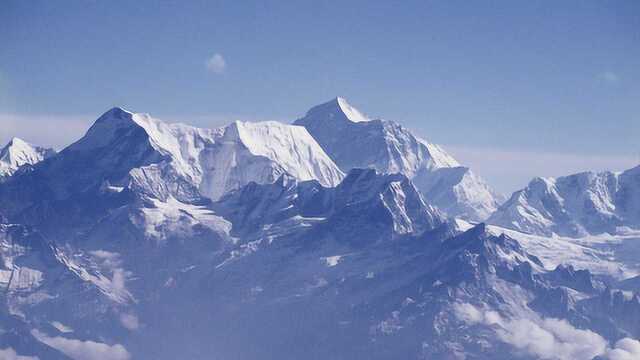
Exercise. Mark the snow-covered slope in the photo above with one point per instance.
(459, 191)
(262, 152)
(354, 141)
(205, 161)
(574, 205)
(18, 153)
(123, 150)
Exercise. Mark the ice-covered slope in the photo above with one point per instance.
(213, 161)
(354, 141)
(262, 152)
(18, 153)
(574, 205)
(128, 150)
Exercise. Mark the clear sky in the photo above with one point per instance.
(514, 89)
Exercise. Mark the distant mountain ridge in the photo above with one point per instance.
(18, 153)
(575, 205)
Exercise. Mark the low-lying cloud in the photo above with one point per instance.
(549, 339)
(130, 321)
(10, 354)
(625, 349)
(83, 350)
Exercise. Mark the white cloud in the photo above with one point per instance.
(551, 339)
(216, 64)
(10, 354)
(625, 349)
(83, 350)
(110, 260)
(130, 321)
(608, 76)
(118, 281)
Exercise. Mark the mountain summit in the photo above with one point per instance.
(138, 149)
(355, 141)
(18, 153)
(336, 110)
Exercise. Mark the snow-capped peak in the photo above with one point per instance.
(337, 109)
(390, 148)
(351, 112)
(18, 153)
(185, 162)
(574, 205)
(262, 152)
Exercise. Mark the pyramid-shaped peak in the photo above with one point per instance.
(17, 146)
(118, 111)
(18, 152)
(351, 112)
(108, 126)
(115, 113)
(16, 141)
(337, 108)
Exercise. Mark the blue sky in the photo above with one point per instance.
(512, 88)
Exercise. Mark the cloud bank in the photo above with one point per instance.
(625, 349)
(10, 354)
(548, 339)
(83, 350)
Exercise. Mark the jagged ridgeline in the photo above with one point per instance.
(336, 237)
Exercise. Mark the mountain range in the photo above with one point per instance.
(575, 205)
(339, 236)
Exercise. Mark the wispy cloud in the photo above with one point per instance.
(608, 76)
(111, 262)
(83, 350)
(130, 321)
(216, 64)
(10, 354)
